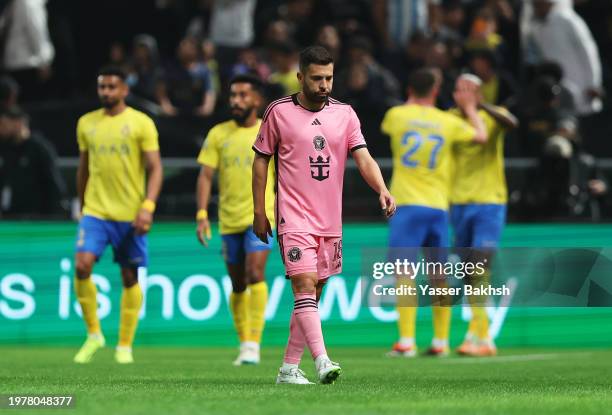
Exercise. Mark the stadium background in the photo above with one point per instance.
(38, 245)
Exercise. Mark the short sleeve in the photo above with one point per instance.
(462, 130)
(386, 125)
(268, 136)
(81, 139)
(149, 136)
(355, 136)
(209, 155)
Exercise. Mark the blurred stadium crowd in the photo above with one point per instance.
(546, 60)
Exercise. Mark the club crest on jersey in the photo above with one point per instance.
(125, 131)
(294, 254)
(319, 164)
(319, 143)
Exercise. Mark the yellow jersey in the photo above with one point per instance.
(228, 149)
(421, 145)
(479, 175)
(116, 185)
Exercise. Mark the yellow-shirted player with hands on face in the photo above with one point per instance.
(478, 208)
(227, 149)
(118, 147)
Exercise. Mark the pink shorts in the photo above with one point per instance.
(304, 252)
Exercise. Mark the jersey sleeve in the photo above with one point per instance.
(149, 135)
(81, 139)
(268, 135)
(209, 155)
(355, 136)
(461, 130)
(386, 125)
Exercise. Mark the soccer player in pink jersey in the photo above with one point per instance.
(310, 136)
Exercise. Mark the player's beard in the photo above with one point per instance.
(109, 103)
(314, 96)
(241, 116)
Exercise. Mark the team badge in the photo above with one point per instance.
(319, 143)
(294, 254)
(125, 131)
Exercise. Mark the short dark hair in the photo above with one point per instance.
(113, 70)
(246, 78)
(422, 81)
(317, 55)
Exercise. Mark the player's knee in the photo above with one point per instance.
(129, 280)
(84, 266)
(304, 284)
(239, 285)
(254, 274)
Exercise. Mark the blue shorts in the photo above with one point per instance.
(419, 227)
(129, 249)
(237, 245)
(478, 225)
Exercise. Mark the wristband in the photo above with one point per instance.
(202, 214)
(148, 205)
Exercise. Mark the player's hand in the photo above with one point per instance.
(203, 232)
(387, 203)
(142, 223)
(466, 94)
(261, 227)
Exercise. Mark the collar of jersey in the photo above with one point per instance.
(296, 102)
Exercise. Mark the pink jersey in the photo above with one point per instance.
(310, 149)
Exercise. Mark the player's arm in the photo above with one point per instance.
(504, 118)
(370, 171)
(261, 224)
(82, 176)
(155, 172)
(203, 196)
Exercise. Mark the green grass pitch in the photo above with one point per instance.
(203, 381)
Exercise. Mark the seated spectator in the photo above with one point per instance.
(117, 57)
(498, 85)
(146, 74)
(410, 58)
(284, 58)
(209, 58)
(555, 71)
(30, 182)
(452, 21)
(439, 56)
(483, 32)
(249, 62)
(329, 38)
(365, 83)
(187, 87)
(277, 31)
(551, 136)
